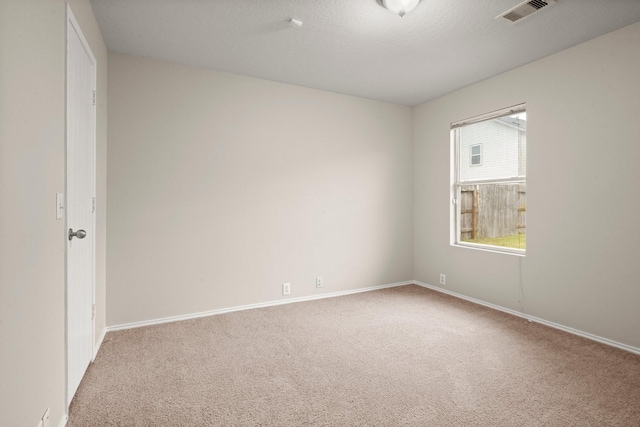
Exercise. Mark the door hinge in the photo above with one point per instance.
(93, 205)
(93, 311)
(93, 97)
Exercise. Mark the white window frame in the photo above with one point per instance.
(456, 183)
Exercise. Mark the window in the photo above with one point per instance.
(490, 181)
(476, 155)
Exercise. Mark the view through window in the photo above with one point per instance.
(490, 185)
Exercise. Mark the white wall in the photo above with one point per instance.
(581, 269)
(32, 171)
(222, 187)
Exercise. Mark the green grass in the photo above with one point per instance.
(517, 241)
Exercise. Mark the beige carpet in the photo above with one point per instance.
(404, 356)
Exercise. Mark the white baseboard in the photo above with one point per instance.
(63, 421)
(251, 306)
(568, 329)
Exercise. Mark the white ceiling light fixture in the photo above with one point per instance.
(400, 7)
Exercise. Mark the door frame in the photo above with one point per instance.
(71, 24)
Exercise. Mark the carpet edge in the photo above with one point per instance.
(208, 313)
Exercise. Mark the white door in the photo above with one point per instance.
(80, 236)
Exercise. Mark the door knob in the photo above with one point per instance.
(80, 234)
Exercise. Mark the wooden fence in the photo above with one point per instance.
(492, 210)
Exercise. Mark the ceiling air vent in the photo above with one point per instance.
(525, 9)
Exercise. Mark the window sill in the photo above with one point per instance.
(489, 248)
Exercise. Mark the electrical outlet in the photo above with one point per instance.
(443, 279)
(286, 288)
(319, 282)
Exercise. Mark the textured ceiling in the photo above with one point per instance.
(355, 47)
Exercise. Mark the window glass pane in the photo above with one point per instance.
(490, 187)
(503, 143)
(494, 214)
